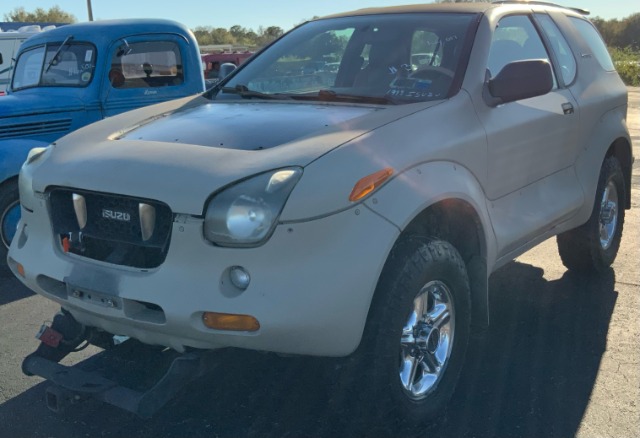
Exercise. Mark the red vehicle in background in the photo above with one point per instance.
(213, 61)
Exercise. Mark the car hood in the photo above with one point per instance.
(246, 126)
(180, 152)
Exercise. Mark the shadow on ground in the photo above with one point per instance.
(531, 374)
(14, 291)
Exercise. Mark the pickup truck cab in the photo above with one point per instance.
(68, 77)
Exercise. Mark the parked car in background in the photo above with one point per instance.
(68, 77)
(351, 213)
(9, 43)
(213, 61)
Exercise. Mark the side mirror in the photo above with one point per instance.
(519, 80)
(226, 69)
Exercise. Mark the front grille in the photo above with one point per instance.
(111, 228)
(35, 128)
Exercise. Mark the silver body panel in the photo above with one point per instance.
(528, 170)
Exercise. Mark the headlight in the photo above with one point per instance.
(246, 213)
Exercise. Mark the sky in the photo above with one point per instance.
(255, 13)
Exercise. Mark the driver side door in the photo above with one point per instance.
(531, 183)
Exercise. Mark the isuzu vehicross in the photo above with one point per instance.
(356, 210)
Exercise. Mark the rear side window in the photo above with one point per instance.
(146, 64)
(594, 40)
(561, 48)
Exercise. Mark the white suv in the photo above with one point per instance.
(350, 211)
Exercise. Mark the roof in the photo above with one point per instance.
(466, 7)
(102, 32)
(417, 8)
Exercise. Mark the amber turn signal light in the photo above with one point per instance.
(228, 321)
(369, 183)
(20, 270)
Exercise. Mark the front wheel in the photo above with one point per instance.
(418, 330)
(594, 245)
(9, 217)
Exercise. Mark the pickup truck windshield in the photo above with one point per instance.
(55, 65)
(381, 59)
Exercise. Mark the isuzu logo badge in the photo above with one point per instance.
(116, 215)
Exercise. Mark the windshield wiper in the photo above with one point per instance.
(55, 56)
(332, 96)
(244, 91)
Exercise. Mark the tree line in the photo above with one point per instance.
(237, 35)
(623, 39)
(616, 33)
(620, 33)
(205, 35)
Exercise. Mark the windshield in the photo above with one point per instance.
(67, 64)
(391, 58)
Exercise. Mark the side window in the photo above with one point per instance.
(28, 68)
(6, 53)
(560, 47)
(515, 39)
(593, 39)
(147, 64)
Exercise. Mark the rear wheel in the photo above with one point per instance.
(594, 245)
(418, 330)
(9, 217)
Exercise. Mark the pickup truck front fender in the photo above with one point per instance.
(13, 153)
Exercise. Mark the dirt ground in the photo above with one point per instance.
(561, 358)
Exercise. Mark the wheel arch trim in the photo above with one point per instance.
(600, 144)
(449, 192)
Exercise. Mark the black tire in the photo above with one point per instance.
(8, 199)
(414, 265)
(582, 249)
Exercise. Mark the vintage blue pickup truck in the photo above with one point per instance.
(74, 75)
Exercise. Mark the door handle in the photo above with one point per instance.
(567, 108)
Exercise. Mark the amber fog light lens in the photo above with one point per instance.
(228, 321)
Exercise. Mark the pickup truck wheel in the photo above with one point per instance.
(9, 217)
(594, 245)
(418, 330)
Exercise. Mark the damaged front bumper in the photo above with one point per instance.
(135, 377)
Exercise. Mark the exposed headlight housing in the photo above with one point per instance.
(246, 213)
(34, 154)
